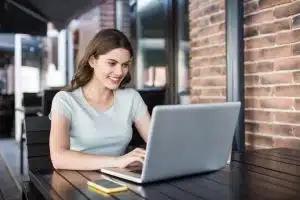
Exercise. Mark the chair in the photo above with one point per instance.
(47, 98)
(152, 98)
(36, 138)
(32, 103)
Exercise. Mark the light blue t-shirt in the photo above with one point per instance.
(100, 132)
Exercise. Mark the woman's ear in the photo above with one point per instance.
(92, 61)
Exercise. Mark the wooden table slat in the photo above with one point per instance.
(282, 151)
(254, 183)
(276, 157)
(92, 175)
(62, 187)
(46, 190)
(268, 164)
(150, 191)
(271, 176)
(80, 182)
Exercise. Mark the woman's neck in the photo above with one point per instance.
(96, 93)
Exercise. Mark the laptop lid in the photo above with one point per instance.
(189, 139)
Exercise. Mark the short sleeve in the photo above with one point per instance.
(61, 104)
(138, 106)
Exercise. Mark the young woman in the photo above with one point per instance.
(91, 120)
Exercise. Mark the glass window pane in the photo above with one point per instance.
(151, 56)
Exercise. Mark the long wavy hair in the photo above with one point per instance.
(103, 42)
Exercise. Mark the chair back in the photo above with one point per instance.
(37, 130)
(152, 98)
(47, 98)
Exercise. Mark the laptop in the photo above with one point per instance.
(184, 140)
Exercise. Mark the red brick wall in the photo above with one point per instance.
(272, 66)
(208, 57)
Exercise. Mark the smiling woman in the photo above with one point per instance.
(91, 121)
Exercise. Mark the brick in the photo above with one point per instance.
(296, 131)
(259, 67)
(297, 104)
(218, 100)
(287, 117)
(208, 51)
(287, 10)
(271, 3)
(207, 10)
(287, 143)
(211, 9)
(259, 115)
(259, 17)
(250, 31)
(296, 77)
(266, 41)
(217, 39)
(296, 49)
(195, 92)
(251, 80)
(205, 62)
(200, 22)
(213, 92)
(277, 78)
(252, 103)
(195, 72)
(288, 37)
(262, 140)
(258, 91)
(193, 4)
(276, 52)
(287, 91)
(217, 18)
(287, 63)
(296, 21)
(209, 81)
(275, 129)
(208, 41)
(277, 103)
(250, 7)
(211, 30)
(213, 71)
(250, 147)
(198, 100)
(274, 27)
(251, 55)
(200, 43)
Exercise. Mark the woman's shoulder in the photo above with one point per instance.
(127, 92)
(64, 95)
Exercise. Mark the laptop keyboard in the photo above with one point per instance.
(137, 171)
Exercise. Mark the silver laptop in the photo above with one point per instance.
(184, 140)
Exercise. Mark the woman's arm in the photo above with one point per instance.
(142, 124)
(64, 158)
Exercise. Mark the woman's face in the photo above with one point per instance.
(111, 68)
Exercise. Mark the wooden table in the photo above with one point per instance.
(264, 174)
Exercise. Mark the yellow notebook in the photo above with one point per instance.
(107, 186)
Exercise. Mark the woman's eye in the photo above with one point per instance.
(125, 65)
(112, 64)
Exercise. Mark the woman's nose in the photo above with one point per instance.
(118, 71)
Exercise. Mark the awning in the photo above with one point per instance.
(32, 16)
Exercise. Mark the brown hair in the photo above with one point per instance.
(103, 42)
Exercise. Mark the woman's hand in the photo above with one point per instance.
(132, 159)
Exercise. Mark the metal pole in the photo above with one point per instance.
(235, 65)
(172, 50)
